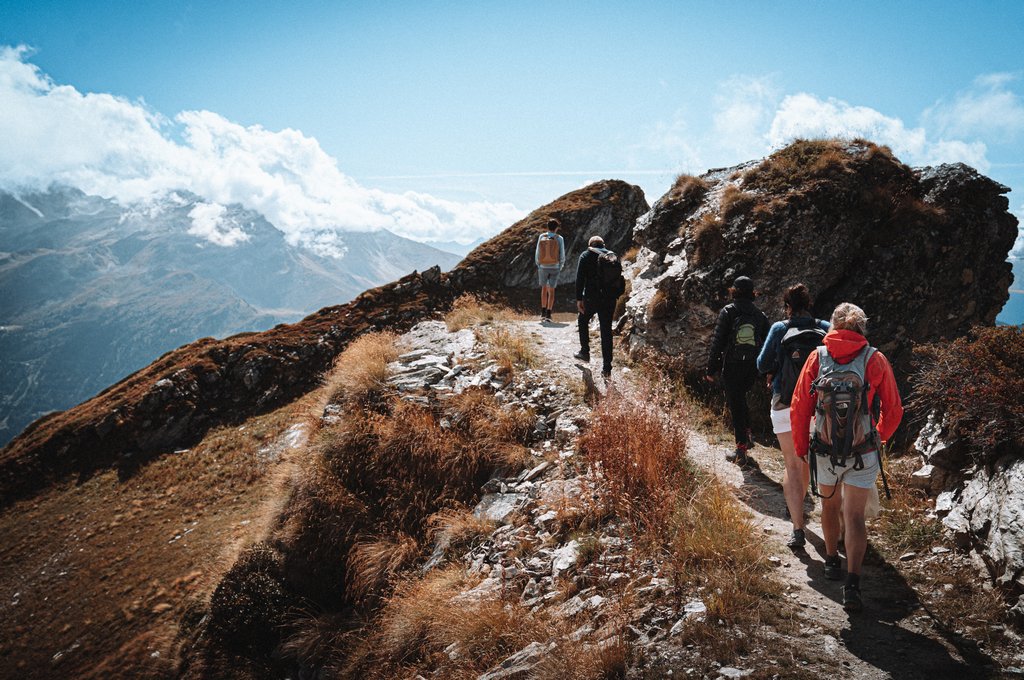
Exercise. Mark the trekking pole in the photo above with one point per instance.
(883, 452)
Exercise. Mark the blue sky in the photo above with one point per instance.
(426, 117)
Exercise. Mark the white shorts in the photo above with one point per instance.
(780, 417)
(865, 479)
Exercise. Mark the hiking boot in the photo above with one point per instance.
(797, 540)
(833, 568)
(851, 599)
(582, 356)
(606, 372)
(738, 456)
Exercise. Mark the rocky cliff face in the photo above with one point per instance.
(923, 251)
(597, 210)
(174, 401)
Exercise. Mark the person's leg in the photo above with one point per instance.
(604, 318)
(734, 384)
(830, 518)
(583, 321)
(795, 479)
(856, 539)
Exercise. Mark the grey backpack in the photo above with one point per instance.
(843, 426)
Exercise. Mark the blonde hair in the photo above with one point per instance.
(849, 317)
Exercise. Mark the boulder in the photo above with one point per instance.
(923, 251)
(987, 515)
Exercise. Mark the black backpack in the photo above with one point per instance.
(744, 343)
(797, 345)
(609, 274)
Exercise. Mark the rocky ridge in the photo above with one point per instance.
(923, 251)
(172, 402)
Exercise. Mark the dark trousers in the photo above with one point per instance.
(604, 317)
(737, 378)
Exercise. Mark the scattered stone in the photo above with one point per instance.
(564, 559)
(519, 664)
(498, 506)
(907, 556)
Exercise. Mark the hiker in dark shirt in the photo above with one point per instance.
(591, 299)
(739, 334)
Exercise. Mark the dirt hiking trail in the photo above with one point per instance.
(894, 637)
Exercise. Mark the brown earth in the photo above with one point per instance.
(95, 576)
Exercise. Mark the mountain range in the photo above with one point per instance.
(94, 290)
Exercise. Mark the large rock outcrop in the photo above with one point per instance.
(175, 400)
(596, 210)
(923, 251)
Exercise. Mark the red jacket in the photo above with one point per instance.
(843, 346)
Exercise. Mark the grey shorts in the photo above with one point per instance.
(864, 479)
(548, 277)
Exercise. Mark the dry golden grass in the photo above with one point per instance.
(425, 618)
(459, 529)
(630, 255)
(685, 517)
(735, 201)
(468, 311)
(642, 458)
(658, 306)
(708, 237)
(511, 349)
(687, 189)
(361, 371)
(374, 563)
(952, 591)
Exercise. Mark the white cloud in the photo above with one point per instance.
(751, 118)
(988, 108)
(114, 147)
(744, 107)
(674, 144)
(805, 115)
(209, 222)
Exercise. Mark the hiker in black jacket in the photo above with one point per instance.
(591, 299)
(739, 334)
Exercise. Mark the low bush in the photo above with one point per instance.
(687, 189)
(800, 163)
(642, 457)
(510, 349)
(976, 383)
(469, 310)
(360, 372)
(707, 234)
(250, 602)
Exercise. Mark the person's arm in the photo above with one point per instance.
(536, 251)
(581, 274)
(801, 409)
(891, 412)
(718, 342)
(768, 359)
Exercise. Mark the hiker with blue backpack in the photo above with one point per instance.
(599, 284)
(549, 256)
(782, 358)
(842, 385)
(739, 333)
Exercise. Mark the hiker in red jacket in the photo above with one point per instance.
(845, 365)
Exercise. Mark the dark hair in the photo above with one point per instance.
(737, 294)
(798, 298)
(553, 224)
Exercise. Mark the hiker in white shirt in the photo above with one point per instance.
(549, 257)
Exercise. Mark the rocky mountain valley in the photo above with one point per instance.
(95, 290)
